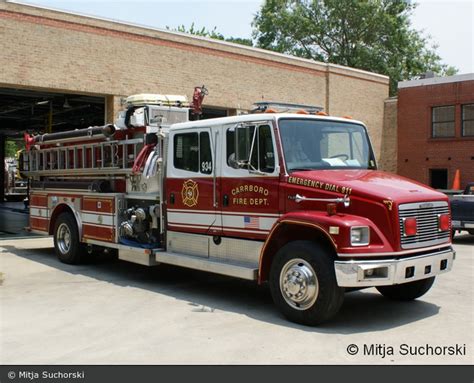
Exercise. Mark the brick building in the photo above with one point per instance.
(436, 130)
(53, 59)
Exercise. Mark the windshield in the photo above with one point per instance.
(318, 144)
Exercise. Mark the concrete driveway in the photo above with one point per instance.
(113, 312)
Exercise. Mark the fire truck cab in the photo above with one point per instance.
(292, 199)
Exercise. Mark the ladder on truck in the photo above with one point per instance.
(98, 158)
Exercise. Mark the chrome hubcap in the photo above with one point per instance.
(299, 284)
(63, 238)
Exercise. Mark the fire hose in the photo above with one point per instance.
(142, 157)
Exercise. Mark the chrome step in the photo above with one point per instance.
(212, 265)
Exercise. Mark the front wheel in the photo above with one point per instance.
(303, 283)
(407, 291)
(66, 240)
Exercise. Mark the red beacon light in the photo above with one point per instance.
(410, 227)
(443, 222)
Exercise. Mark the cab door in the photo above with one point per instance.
(249, 180)
(191, 182)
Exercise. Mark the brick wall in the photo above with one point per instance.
(388, 145)
(55, 51)
(418, 152)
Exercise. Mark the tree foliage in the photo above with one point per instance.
(374, 35)
(11, 147)
(213, 34)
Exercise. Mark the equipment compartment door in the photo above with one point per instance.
(192, 182)
(98, 218)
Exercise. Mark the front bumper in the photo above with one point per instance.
(368, 273)
(462, 225)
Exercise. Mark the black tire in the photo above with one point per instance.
(407, 291)
(327, 299)
(69, 251)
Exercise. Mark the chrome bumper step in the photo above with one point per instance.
(368, 273)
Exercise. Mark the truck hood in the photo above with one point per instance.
(372, 184)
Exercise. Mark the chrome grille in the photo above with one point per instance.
(426, 214)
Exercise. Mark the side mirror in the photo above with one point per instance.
(245, 137)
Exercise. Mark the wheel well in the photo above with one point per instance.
(63, 208)
(289, 232)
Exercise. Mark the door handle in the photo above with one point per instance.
(225, 201)
(172, 198)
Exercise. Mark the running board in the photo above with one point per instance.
(211, 265)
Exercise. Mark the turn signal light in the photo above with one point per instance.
(409, 225)
(443, 222)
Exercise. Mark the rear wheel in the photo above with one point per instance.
(407, 291)
(66, 240)
(303, 283)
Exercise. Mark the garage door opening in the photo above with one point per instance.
(439, 178)
(208, 112)
(32, 111)
(28, 110)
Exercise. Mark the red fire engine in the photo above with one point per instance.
(293, 198)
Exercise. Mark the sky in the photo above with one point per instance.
(449, 23)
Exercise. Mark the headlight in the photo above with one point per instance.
(360, 235)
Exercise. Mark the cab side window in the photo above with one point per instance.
(262, 154)
(192, 152)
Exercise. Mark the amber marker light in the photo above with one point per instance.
(302, 111)
(331, 208)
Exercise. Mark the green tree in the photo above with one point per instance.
(213, 34)
(240, 40)
(374, 35)
(11, 147)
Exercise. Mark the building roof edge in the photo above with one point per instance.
(436, 80)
